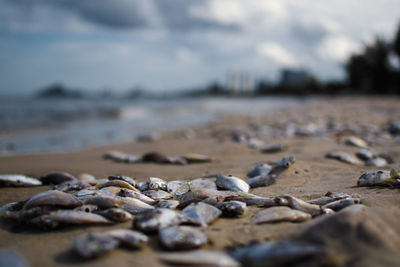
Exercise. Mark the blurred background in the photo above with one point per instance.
(75, 74)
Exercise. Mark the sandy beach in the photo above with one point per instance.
(356, 242)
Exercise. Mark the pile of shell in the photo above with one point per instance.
(156, 157)
(365, 156)
(159, 207)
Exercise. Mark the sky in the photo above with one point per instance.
(167, 45)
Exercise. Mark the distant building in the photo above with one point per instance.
(240, 82)
(295, 78)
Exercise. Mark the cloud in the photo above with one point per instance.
(118, 14)
(337, 47)
(277, 53)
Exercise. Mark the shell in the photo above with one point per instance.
(279, 214)
(143, 186)
(168, 204)
(341, 203)
(116, 214)
(277, 253)
(260, 170)
(365, 154)
(196, 158)
(124, 192)
(158, 195)
(87, 178)
(232, 208)
(126, 179)
(156, 183)
(76, 217)
(379, 178)
(18, 180)
(254, 143)
(200, 258)
(201, 214)
(376, 162)
(356, 141)
(344, 157)
(274, 148)
(109, 191)
(119, 156)
(153, 220)
(178, 188)
(201, 183)
(182, 237)
(286, 162)
(103, 202)
(118, 183)
(133, 205)
(258, 181)
(53, 198)
(85, 193)
(87, 208)
(129, 238)
(57, 178)
(232, 183)
(301, 205)
(91, 245)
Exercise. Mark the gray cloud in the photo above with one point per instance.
(130, 14)
(176, 16)
(308, 34)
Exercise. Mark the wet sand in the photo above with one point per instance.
(311, 176)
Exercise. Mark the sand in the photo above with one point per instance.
(311, 176)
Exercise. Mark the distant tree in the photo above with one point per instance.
(369, 72)
(396, 43)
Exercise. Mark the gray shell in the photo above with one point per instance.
(341, 203)
(201, 214)
(129, 238)
(156, 219)
(116, 214)
(356, 141)
(18, 180)
(124, 178)
(232, 208)
(168, 204)
(365, 154)
(133, 205)
(372, 178)
(75, 217)
(344, 157)
(91, 245)
(301, 205)
(156, 183)
(53, 198)
(232, 183)
(260, 170)
(182, 237)
(274, 148)
(376, 162)
(276, 253)
(196, 158)
(158, 194)
(124, 192)
(258, 181)
(279, 214)
(200, 258)
(178, 188)
(201, 183)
